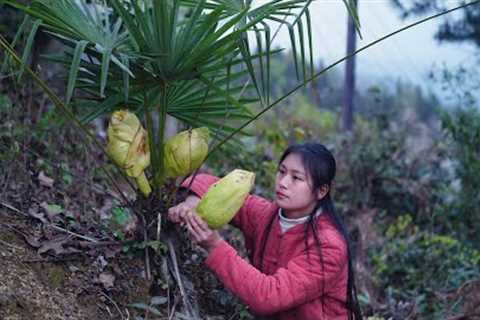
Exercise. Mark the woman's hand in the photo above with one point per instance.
(205, 237)
(177, 213)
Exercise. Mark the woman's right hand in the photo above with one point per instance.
(178, 213)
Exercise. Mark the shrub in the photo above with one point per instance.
(463, 213)
(419, 267)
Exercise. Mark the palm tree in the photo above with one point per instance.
(190, 59)
(184, 58)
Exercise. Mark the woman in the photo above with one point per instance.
(301, 265)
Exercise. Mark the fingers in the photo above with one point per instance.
(201, 223)
(172, 215)
(191, 220)
(177, 213)
(196, 222)
(201, 233)
(195, 235)
(198, 229)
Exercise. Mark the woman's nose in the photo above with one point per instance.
(284, 181)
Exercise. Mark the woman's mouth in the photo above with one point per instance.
(280, 195)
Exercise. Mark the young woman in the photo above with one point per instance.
(301, 265)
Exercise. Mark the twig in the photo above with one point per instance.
(114, 304)
(102, 243)
(6, 205)
(11, 245)
(464, 316)
(148, 273)
(176, 273)
(159, 226)
(172, 312)
(106, 308)
(234, 315)
(72, 233)
(51, 225)
(11, 227)
(53, 260)
(465, 284)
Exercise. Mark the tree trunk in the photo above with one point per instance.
(349, 89)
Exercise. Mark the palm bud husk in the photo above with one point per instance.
(185, 152)
(224, 198)
(127, 146)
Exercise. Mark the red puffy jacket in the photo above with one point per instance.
(292, 285)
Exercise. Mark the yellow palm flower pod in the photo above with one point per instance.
(225, 197)
(127, 146)
(185, 152)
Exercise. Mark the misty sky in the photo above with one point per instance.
(409, 55)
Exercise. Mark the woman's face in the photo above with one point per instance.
(293, 188)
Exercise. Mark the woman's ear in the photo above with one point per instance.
(322, 192)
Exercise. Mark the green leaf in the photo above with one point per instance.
(72, 76)
(104, 74)
(352, 11)
(28, 46)
(53, 209)
(126, 78)
(18, 34)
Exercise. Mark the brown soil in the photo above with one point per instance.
(34, 290)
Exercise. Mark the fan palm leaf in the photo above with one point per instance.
(189, 59)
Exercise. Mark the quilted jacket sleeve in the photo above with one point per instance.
(297, 283)
(246, 218)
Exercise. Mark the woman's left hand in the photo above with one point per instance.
(205, 237)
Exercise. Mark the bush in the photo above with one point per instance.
(378, 169)
(419, 267)
(462, 214)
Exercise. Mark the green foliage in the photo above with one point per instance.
(463, 213)
(400, 227)
(271, 136)
(67, 177)
(461, 27)
(48, 121)
(152, 308)
(178, 57)
(5, 102)
(376, 168)
(10, 133)
(414, 265)
(9, 21)
(119, 222)
(459, 84)
(252, 158)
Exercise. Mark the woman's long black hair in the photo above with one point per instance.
(321, 166)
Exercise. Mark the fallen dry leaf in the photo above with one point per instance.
(45, 180)
(33, 241)
(106, 279)
(37, 215)
(55, 244)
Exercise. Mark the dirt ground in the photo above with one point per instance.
(34, 286)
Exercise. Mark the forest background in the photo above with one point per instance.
(407, 185)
